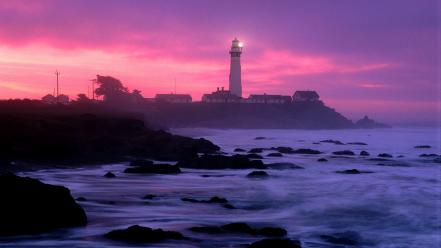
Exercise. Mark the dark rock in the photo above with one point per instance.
(140, 234)
(336, 142)
(379, 159)
(272, 232)
(216, 199)
(109, 175)
(228, 206)
(422, 147)
(369, 123)
(284, 165)
(257, 174)
(256, 150)
(306, 151)
(352, 171)
(276, 243)
(149, 197)
(239, 150)
(283, 149)
(345, 238)
(364, 153)
(259, 138)
(322, 160)
(357, 143)
(155, 169)
(275, 154)
(29, 206)
(253, 156)
(400, 156)
(432, 155)
(81, 199)
(141, 162)
(344, 153)
(221, 162)
(437, 160)
(207, 229)
(385, 155)
(239, 227)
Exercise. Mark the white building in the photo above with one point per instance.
(269, 99)
(235, 69)
(221, 96)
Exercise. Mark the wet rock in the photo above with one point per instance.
(140, 234)
(272, 232)
(352, 171)
(81, 199)
(322, 160)
(283, 149)
(364, 153)
(357, 143)
(258, 174)
(214, 199)
(260, 138)
(29, 206)
(379, 159)
(206, 229)
(256, 150)
(431, 155)
(385, 155)
(109, 175)
(400, 156)
(228, 206)
(253, 156)
(423, 147)
(336, 142)
(149, 197)
(344, 238)
(154, 169)
(221, 162)
(306, 151)
(275, 154)
(437, 160)
(141, 162)
(239, 227)
(276, 243)
(344, 153)
(284, 165)
(239, 150)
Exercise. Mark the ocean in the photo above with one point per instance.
(398, 204)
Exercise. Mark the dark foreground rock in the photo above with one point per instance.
(29, 206)
(357, 143)
(306, 151)
(258, 174)
(423, 147)
(109, 175)
(140, 234)
(141, 163)
(336, 142)
(276, 243)
(364, 153)
(322, 160)
(284, 165)
(275, 154)
(385, 155)
(431, 155)
(256, 150)
(353, 171)
(239, 150)
(215, 199)
(253, 156)
(221, 162)
(154, 169)
(241, 227)
(344, 153)
(68, 138)
(344, 238)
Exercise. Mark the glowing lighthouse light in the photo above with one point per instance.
(235, 68)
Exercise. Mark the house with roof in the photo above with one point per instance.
(268, 99)
(221, 96)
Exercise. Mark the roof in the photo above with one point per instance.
(306, 94)
(265, 96)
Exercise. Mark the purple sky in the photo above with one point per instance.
(379, 58)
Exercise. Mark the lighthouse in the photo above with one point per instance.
(235, 70)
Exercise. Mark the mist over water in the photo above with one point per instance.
(397, 205)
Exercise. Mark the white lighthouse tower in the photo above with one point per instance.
(235, 70)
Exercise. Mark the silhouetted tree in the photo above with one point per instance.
(136, 96)
(82, 98)
(112, 90)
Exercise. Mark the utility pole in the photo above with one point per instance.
(93, 88)
(57, 73)
(175, 86)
